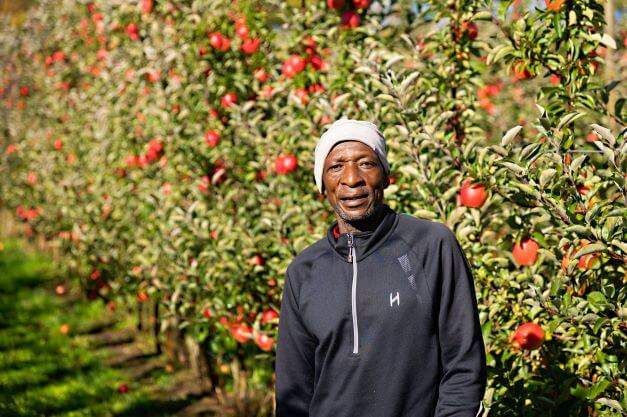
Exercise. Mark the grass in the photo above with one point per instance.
(44, 372)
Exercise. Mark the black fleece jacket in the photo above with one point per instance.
(391, 331)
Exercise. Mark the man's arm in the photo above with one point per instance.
(463, 353)
(294, 359)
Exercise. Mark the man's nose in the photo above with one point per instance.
(352, 176)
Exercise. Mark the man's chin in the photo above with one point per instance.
(358, 217)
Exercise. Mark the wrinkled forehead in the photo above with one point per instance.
(350, 146)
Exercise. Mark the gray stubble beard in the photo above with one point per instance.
(369, 213)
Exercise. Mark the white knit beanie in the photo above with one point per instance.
(347, 129)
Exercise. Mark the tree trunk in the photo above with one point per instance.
(198, 364)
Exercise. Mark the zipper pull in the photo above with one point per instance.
(350, 247)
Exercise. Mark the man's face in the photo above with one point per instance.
(354, 180)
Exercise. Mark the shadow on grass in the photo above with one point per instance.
(45, 372)
(157, 408)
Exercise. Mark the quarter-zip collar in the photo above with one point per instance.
(364, 242)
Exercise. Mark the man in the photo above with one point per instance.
(379, 318)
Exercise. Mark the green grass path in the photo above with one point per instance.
(46, 373)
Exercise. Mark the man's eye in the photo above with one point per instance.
(335, 167)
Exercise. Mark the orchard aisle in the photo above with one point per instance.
(62, 355)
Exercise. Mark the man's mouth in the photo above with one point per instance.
(354, 201)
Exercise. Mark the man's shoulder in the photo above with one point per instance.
(412, 228)
(307, 256)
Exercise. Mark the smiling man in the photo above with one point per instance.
(379, 318)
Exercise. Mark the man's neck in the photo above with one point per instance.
(366, 225)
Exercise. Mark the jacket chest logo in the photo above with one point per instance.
(395, 299)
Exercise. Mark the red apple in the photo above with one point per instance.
(142, 296)
(132, 31)
(471, 29)
(266, 91)
(242, 31)
(240, 20)
(229, 99)
(264, 341)
(585, 262)
(203, 185)
(206, 313)
(316, 62)
(212, 138)
(260, 74)
(529, 336)
(269, 315)
(310, 45)
(520, 71)
(285, 164)
(350, 19)
(58, 144)
(553, 5)
(215, 39)
(288, 70)
(297, 62)
(131, 161)
(58, 56)
(242, 333)
(473, 195)
(250, 46)
(302, 95)
(525, 252)
(155, 145)
(257, 260)
(226, 44)
(335, 4)
(153, 75)
(147, 6)
(123, 389)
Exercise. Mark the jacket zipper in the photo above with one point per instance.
(352, 257)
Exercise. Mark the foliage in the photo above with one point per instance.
(43, 371)
(110, 150)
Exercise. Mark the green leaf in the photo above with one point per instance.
(604, 133)
(425, 214)
(500, 150)
(610, 403)
(405, 83)
(541, 110)
(513, 167)
(577, 228)
(618, 107)
(598, 388)
(598, 324)
(363, 70)
(596, 298)
(510, 135)
(604, 39)
(386, 97)
(595, 247)
(621, 245)
(546, 175)
(569, 118)
(576, 163)
(482, 15)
